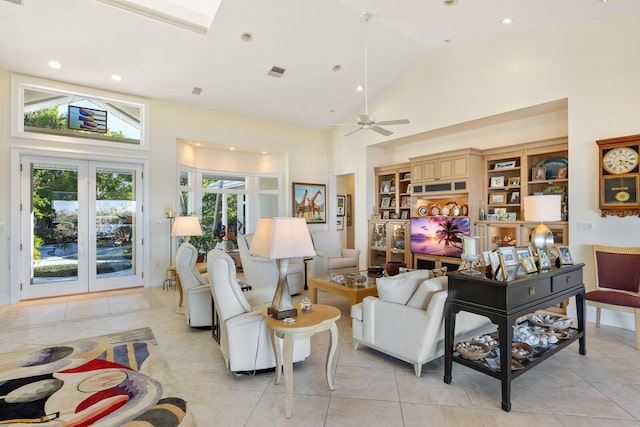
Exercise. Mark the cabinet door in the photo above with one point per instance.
(445, 168)
(460, 167)
(430, 170)
(417, 171)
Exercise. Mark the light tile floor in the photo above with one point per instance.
(601, 389)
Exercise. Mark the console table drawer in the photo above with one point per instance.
(565, 281)
(524, 293)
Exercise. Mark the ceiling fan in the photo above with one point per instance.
(365, 121)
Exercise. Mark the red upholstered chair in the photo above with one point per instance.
(617, 282)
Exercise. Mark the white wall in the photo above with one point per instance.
(594, 66)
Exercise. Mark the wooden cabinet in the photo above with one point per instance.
(389, 241)
(494, 234)
(434, 168)
(393, 199)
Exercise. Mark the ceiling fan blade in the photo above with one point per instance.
(394, 122)
(380, 130)
(353, 131)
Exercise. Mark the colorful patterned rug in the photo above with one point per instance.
(112, 380)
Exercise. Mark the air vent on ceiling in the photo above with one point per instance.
(196, 91)
(276, 72)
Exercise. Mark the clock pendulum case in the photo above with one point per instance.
(619, 175)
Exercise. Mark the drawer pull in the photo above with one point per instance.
(532, 290)
(569, 279)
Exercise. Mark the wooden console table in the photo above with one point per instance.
(503, 302)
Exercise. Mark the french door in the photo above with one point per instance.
(81, 226)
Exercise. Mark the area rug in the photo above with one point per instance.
(118, 379)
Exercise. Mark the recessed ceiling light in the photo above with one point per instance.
(603, 1)
(198, 144)
(55, 65)
(336, 68)
(246, 37)
(263, 152)
(506, 20)
(232, 148)
(116, 77)
(359, 88)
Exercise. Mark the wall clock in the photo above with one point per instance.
(619, 175)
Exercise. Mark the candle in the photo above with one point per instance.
(169, 212)
(468, 245)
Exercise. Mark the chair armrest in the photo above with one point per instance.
(350, 253)
(260, 296)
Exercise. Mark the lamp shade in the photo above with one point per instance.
(542, 208)
(186, 226)
(282, 237)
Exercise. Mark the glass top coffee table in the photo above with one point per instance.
(354, 286)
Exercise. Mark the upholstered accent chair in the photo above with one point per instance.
(244, 335)
(195, 287)
(260, 271)
(617, 283)
(406, 320)
(331, 257)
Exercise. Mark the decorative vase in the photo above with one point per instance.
(393, 267)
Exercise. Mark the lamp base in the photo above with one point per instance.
(279, 315)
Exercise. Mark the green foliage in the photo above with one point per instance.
(47, 118)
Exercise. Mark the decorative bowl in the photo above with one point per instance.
(520, 350)
(472, 350)
(558, 323)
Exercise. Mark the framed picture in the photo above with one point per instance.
(493, 217)
(348, 209)
(340, 223)
(340, 203)
(515, 198)
(501, 212)
(404, 215)
(562, 173)
(514, 181)
(405, 202)
(538, 174)
(523, 252)
(385, 202)
(543, 259)
(565, 255)
(376, 216)
(494, 261)
(529, 265)
(504, 165)
(385, 215)
(309, 202)
(385, 186)
(509, 255)
(497, 181)
(502, 269)
(499, 198)
(393, 215)
(510, 216)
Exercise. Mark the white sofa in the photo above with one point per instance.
(331, 257)
(260, 271)
(244, 335)
(195, 287)
(406, 320)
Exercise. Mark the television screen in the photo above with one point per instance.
(438, 236)
(88, 119)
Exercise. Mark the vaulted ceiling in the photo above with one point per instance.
(310, 39)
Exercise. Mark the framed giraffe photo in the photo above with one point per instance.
(309, 202)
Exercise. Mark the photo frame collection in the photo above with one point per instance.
(529, 265)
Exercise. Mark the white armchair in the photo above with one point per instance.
(331, 257)
(260, 271)
(244, 335)
(195, 287)
(407, 320)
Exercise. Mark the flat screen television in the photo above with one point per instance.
(438, 235)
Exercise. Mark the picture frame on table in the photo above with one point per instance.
(509, 255)
(385, 186)
(340, 223)
(497, 181)
(501, 212)
(515, 198)
(494, 261)
(404, 215)
(529, 265)
(385, 202)
(562, 173)
(510, 216)
(539, 173)
(385, 215)
(309, 202)
(544, 261)
(502, 273)
(493, 217)
(340, 205)
(565, 255)
(514, 181)
(505, 165)
(523, 252)
(405, 202)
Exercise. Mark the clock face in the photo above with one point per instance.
(620, 160)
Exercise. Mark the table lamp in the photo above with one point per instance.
(280, 239)
(186, 226)
(542, 208)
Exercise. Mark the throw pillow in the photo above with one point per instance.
(399, 288)
(437, 272)
(422, 296)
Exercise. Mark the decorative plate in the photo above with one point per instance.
(552, 164)
(445, 210)
(434, 210)
(423, 211)
(465, 210)
(455, 211)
